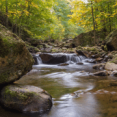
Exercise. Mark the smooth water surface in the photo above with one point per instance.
(70, 87)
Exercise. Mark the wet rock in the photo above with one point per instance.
(50, 59)
(63, 64)
(79, 63)
(101, 73)
(106, 58)
(46, 57)
(99, 59)
(80, 52)
(93, 56)
(14, 57)
(110, 66)
(25, 98)
(91, 61)
(114, 73)
(100, 66)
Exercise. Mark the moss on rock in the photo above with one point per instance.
(14, 56)
(25, 98)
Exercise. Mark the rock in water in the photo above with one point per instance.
(15, 59)
(111, 66)
(79, 63)
(25, 98)
(51, 59)
(99, 66)
(63, 64)
(101, 73)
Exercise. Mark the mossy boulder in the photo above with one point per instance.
(93, 52)
(111, 41)
(87, 38)
(15, 59)
(25, 98)
(32, 49)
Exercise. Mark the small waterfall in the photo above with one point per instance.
(73, 58)
(57, 58)
(38, 59)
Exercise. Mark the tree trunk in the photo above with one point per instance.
(93, 22)
(7, 13)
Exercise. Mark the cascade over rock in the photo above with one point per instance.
(15, 59)
(57, 58)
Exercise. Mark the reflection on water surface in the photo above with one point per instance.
(70, 88)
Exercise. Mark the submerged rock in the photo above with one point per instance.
(91, 61)
(99, 66)
(63, 64)
(114, 73)
(15, 59)
(25, 98)
(79, 63)
(101, 73)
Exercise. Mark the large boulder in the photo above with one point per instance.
(15, 59)
(93, 52)
(112, 64)
(25, 98)
(111, 41)
(53, 59)
(88, 38)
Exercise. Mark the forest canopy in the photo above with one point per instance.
(44, 19)
(60, 19)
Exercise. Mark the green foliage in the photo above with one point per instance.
(44, 19)
(104, 13)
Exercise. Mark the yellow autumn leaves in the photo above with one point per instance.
(105, 13)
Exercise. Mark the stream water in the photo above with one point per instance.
(70, 87)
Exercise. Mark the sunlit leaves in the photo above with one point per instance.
(105, 12)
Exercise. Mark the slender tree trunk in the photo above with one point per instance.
(16, 18)
(6, 13)
(93, 17)
(12, 23)
(109, 17)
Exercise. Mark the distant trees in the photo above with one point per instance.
(95, 15)
(44, 19)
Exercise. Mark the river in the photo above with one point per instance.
(70, 87)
